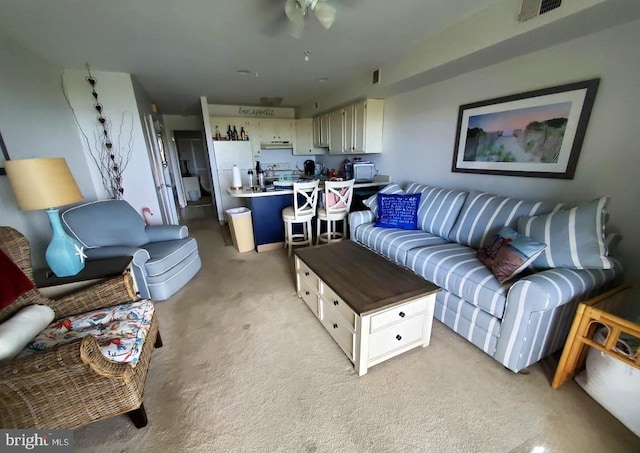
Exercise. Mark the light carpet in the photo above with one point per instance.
(246, 367)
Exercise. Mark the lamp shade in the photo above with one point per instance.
(42, 183)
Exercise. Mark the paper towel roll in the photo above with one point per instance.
(237, 183)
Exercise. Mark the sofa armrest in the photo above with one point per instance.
(157, 233)
(111, 292)
(357, 218)
(540, 308)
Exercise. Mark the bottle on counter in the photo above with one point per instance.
(250, 173)
(243, 134)
(261, 179)
(218, 136)
(235, 133)
(229, 132)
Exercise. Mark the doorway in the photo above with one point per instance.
(195, 173)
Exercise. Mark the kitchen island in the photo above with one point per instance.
(266, 211)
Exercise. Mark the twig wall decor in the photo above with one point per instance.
(111, 157)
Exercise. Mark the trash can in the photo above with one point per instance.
(241, 228)
(193, 195)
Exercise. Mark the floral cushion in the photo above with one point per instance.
(120, 331)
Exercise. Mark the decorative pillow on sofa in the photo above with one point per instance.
(398, 210)
(509, 253)
(372, 201)
(13, 282)
(17, 331)
(575, 238)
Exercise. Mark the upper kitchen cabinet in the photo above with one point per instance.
(277, 130)
(304, 139)
(336, 132)
(321, 131)
(358, 128)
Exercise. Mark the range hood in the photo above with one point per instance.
(276, 144)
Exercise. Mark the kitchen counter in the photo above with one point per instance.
(266, 211)
(248, 193)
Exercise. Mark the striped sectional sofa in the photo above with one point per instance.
(516, 323)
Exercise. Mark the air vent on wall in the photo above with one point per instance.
(270, 102)
(534, 8)
(376, 77)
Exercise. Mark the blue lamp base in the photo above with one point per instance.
(64, 254)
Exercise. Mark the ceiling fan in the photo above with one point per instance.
(297, 12)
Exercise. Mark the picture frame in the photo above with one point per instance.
(4, 155)
(534, 134)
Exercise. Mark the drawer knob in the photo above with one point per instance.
(335, 302)
(401, 314)
(335, 326)
(398, 337)
(307, 293)
(306, 274)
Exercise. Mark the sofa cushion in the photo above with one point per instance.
(455, 268)
(120, 331)
(439, 208)
(394, 243)
(508, 253)
(372, 201)
(166, 254)
(17, 331)
(484, 214)
(575, 237)
(122, 225)
(398, 211)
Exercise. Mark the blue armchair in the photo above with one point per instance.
(165, 258)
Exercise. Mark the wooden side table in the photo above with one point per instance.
(602, 310)
(94, 271)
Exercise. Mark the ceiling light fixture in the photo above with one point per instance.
(243, 72)
(298, 10)
(306, 55)
(322, 79)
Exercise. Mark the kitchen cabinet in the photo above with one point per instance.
(357, 128)
(277, 130)
(321, 131)
(336, 131)
(304, 145)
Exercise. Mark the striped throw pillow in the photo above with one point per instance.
(575, 238)
(372, 201)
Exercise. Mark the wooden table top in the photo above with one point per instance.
(366, 281)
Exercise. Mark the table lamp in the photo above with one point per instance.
(47, 183)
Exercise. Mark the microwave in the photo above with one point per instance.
(363, 171)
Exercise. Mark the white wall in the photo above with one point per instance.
(35, 121)
(420, 127)
(116, 94)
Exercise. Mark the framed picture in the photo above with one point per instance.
(4, 155)
(538, 133)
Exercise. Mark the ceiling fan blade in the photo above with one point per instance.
(325, 14)
(293, 10)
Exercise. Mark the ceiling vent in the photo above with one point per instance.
(376, 77)
(535, 8)
(271, 102)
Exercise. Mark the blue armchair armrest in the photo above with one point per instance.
(139, 258)
(157, 233)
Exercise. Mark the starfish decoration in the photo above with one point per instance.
(80, 252)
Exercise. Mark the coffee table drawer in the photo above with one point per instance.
(339, 305)
(308, 294)
(396, 337)
(306, 273)
(398, 314)
(338, 330)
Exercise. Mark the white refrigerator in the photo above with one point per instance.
(225, 156)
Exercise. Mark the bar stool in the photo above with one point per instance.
(305, 200)
(337, 203)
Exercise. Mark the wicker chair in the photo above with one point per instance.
(72, 384)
